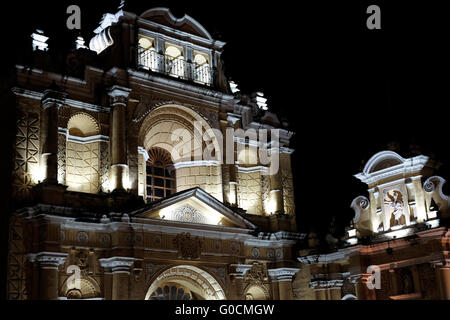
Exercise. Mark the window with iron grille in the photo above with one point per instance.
(161, 181)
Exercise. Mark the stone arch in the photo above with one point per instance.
(88, 289)
(83, 125)
(383, 160)
(186, 23)
(197, 281)
(256, 292)
(158, 125)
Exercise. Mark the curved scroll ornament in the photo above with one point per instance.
(101, 41)
(433, 186)
(359, 204)
(433, 183)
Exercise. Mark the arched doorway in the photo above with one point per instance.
(185, 283)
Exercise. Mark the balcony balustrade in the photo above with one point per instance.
(176, 67)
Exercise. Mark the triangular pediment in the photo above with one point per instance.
(197, 207)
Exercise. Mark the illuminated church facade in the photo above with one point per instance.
(124, 187)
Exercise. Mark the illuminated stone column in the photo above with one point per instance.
(362, 290)
(51, 102)
(284, 278)
(335, 289)
(107, 284)
(49, 263)
(119, 165)
(237, 274)
(276, 193)
(444, 281)
(120, 268)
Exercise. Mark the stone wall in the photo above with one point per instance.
(208, 178)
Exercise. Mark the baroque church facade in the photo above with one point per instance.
(115, 199)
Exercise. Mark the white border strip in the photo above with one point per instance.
(189, 164)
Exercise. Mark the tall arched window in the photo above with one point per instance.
(175, 64)
(160, 175)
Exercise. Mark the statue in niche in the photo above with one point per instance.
(394, 204)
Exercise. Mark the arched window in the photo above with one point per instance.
(148, 58)
(160, 175)
(175, 65)
(202, 69)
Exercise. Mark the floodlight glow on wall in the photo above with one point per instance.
(37, 173)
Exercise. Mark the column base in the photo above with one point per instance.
(50, 193)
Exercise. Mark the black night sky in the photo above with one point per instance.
(346, 91)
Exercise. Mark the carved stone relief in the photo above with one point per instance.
(188, 247)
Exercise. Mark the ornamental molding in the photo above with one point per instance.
(48, 260)
(406, 166)
(201, 163)
(241, 270)
(194, 93)
(257, 274)
(360, 204)
(189, 214)
(117, 264)
(330, 284)
(20, 92)
(119, 91)
(142, 151)
(283, 274)
(434, 182)
(86, 140)
(52, 98)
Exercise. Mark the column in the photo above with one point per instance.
(51, 102)
(335, 289)
(107, 284)
(233, 185)
(444, 281)
(49, 263)
(119, 164)
(237, 278)
(284, 277)
(276, 193)
(362, 290)
(120, 268)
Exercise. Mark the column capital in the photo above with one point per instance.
(282, 274)
(53, 98)
(355, 278)
(240, 270)
(48, 260)
(118, 95)
(117, 264)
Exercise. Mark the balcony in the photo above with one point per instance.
(176, 67)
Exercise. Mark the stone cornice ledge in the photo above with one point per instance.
(282, 274)
(117, 264)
